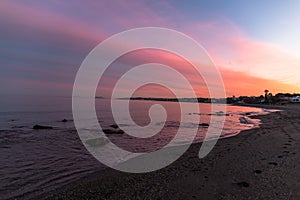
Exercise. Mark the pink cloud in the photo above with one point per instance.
(231, 48)
(236, 83)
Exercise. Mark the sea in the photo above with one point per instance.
(34, 162)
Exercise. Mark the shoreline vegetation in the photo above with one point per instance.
(261, 163)
(267, 99)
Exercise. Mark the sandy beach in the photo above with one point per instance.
(262, 163)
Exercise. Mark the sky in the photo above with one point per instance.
(255, 44)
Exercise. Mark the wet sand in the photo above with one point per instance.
(261, 163)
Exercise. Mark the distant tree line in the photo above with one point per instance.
(267, 98)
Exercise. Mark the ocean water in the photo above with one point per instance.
(37, 161)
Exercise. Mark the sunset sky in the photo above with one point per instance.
(255, 44)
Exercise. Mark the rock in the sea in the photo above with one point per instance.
(18, 127)
(37, 127)
(204, 124)
(220, 113)
(115, 126)
(245, 120)
(64, 120)
(110, 131)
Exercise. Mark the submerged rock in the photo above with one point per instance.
(97, 142)
(37, 127)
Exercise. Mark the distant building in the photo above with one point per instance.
(295, 99)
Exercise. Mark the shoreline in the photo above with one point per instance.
(258, 163)
(269, 106)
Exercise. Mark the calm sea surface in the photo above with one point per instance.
(36, 161)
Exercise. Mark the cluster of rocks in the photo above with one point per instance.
(40, 127)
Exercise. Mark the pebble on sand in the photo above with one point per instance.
(243, 184)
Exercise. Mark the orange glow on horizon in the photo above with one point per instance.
(235, 82)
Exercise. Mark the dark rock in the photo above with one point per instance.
(279, 156)
(244, 120)
(115, 126)
(204, 124)
(243, 184)
(273, 163)
(220, 113)
(37, 127)
(18, 127)
(257, 171)
(119, 132)
(64, 120)
(110, 131)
